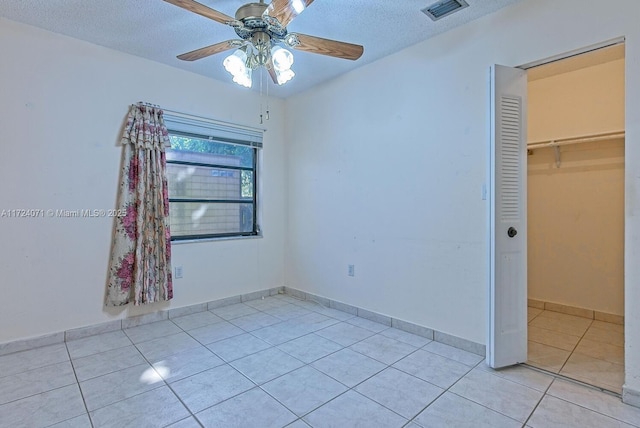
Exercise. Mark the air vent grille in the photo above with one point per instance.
(444, 8)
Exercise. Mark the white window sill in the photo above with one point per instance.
(224, 238)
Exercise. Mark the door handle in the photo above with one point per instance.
(512, 232)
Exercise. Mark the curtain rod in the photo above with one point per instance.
(576, 140)
(148, 104)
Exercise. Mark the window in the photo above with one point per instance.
(212, 173)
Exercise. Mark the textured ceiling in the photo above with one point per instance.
(159, 31)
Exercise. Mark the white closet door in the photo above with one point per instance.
(507, 336)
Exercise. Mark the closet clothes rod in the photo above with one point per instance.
(577, 140)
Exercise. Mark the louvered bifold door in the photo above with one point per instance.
(507, 335)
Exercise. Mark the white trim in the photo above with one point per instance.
(221, 238)
(575, 52)
(630, 396)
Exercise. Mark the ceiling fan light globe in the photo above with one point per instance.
(242, 81)
(284, 76)
(298, 6)
(282, 58)
(236, 63)
(244, 78)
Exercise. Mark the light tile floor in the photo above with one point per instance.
(283, 362)
(586, 350)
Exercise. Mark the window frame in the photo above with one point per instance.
(246, 137)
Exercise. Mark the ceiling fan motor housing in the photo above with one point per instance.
(253, 20)
(251, 11)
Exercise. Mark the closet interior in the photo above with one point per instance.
(575, 208)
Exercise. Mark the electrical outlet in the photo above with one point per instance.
(351, 271)
(178, 272)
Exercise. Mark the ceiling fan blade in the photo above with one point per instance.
(328, 47)
(285, 10)
(200, 9)
(210, 50)
(272, 71)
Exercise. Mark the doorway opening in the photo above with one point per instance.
(575, 214)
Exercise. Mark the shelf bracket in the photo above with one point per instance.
(556, 149)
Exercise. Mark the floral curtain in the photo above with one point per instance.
(140, 265)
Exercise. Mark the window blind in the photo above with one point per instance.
(208, 129)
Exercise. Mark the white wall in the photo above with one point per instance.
(581, 102)
(576, 226)
(576, 211)
(387, 165)
(61, 110)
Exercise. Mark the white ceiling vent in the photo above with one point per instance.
(444, 8)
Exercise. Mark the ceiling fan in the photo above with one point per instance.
(262, 30)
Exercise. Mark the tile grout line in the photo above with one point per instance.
(580, 338)
(310, 411)
(444, 390)
(225, 363)
(135, 345)
(75, 375)
(634, 424)
(573, 350)
(575, 347)
(387, 366)
(228, 363)
(576, 382)
(191, 414)
(544, 394)
(557, 376)
(465, 398)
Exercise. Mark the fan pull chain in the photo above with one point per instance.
(264, 114)
(261, 76)
(268, 99)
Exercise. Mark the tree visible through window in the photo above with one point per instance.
(212, 187)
